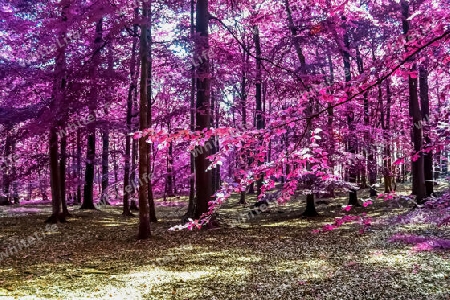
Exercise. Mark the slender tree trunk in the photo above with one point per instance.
(425, 109)
(203, 179)
(6, 168)
(62, 175)
(105, 166)
(218, 180)
(351, 139)
(213, 139)
(243, 95)
(387, 159)
(367, 150)
(258, 95)
(116, 170)
(127, 187)
(169, 177)
(192, 200)
(78, 176)
(330, 126)
(151, 200)
(144, 213)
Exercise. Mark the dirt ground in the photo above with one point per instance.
(274, 255)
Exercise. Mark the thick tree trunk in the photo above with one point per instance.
(203, 179)
(418, 176)
(144, 213)
(59, 85)
(310, 210)
(88, 201)
(54, 179)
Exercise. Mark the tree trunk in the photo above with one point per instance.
(425, 109)
(62, 175)
(192, 200)
(310, 202)
(127, 188)
(258, 96)
(144, 213)
(367, 151)
(105, 167)
(169, 178)
(387, 158)
(78, 176)
(203, 178)
(243, 95)
(59, 85)
(151, 200)
(218, 180)
(54, 179)
(6, 166)
(88, 201)
(414, 110)
(351, 139)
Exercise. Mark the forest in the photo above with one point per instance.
(224, 149)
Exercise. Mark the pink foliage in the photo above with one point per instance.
(422, 243)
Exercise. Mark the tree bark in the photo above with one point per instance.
(258, 96)
(425, 109)
(126, 177)
(78, 173)
(203, 178)
(144, 213)
(351, 140)
(418, 176)
(192, 200)
(151, 200)
(6, 168)
(62, 175)
(59, 85)
(243, 96)
(88, 201)
(105, 167)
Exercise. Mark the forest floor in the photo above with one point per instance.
(274, 255)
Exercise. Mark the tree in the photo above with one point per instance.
(144, 214)
(203, 177)
(88, 201)
(418, 176)
(59, 85)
